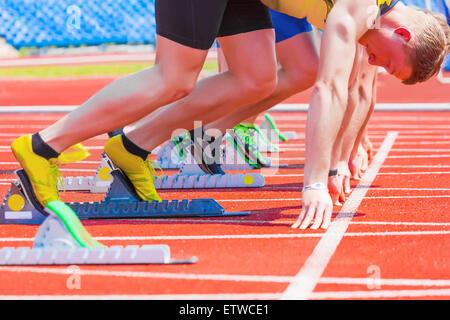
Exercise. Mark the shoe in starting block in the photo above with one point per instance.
(121, 201)
(56, 243)
(188, 178)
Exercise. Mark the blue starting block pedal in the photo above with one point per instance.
(121, 201)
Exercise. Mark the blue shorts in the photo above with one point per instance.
(287, 26)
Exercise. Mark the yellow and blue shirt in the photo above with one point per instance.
(316, 11)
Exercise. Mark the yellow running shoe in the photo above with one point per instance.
(43, 173)
(141, 173)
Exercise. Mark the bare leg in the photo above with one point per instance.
(132, 97)
(223, 66)
(251, 77)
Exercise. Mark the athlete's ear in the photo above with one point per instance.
(404, 33)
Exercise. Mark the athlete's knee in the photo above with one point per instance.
(302, 77)
(259, 84)
(181, 89)
(179, 86)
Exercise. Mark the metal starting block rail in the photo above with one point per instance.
(121, 201)
(96, 184)
(102, 180)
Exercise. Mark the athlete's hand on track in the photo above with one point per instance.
(317, 206)
(358, 163)
(336, 190)
(368, 146)
(345, 174)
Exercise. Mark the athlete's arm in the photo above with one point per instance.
(346, 23)
(343, 143)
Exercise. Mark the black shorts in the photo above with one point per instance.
(196, 23)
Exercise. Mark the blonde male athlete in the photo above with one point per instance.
(408, 43)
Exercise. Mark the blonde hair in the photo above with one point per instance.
(430, 46)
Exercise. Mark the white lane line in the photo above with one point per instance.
(290, 222)
(420, 150)
(243, 296)
(279, 107)
(416, 166)
(252, 236)
(219, 296)
(436, 133)
(389, 157)
(227, 277)
(310, 273)
(408, 197)
(408, 189)
(160, 275)
(377, 294)
(376, 118)
(445, 224)
(408, 126)
(411, 173)
(414, 137)
(147, 57)
(428, 127)
(283, 148)
(414, 156)
(425, 143)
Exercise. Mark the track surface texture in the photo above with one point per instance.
(390, 240)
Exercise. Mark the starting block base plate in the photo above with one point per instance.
(114, 255)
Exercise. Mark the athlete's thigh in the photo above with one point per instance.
(298, 53)
(192, 23)
(185, 31)
(246, 36)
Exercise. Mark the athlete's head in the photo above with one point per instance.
(409, 43)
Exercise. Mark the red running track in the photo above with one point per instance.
(394, 240)
(74, 91)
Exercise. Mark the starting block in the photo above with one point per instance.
(62, 240)
(185, 180)
(272, 132)
(121, 201)
(54, 244)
